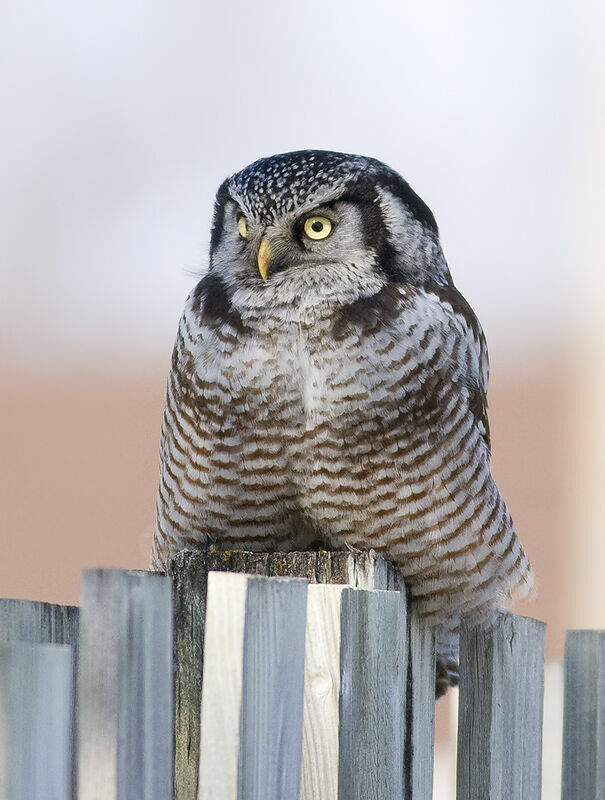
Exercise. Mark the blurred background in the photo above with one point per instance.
(121, 119)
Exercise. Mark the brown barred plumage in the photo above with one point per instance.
(340, 402)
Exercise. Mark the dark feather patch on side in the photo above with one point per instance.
(477, 401)
(367, 314)
(211, 300)
(447, 293)
(459, 305)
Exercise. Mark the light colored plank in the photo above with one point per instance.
(222, 686)
(319, 779)
(125, 686)
(552, 736)
(36, 684)
(421, 710)
(252, 693)
(501, 701)
(584, 716)
(372, 695)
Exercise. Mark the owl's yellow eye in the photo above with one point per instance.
(242, 227)
(317, 228)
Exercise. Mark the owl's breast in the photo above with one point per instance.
(356, 377)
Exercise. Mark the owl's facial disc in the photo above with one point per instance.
(257, 248)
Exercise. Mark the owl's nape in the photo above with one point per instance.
(329, 383)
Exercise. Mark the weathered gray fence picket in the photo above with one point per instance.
(42, 623)
(420, 711)
(373, 671)
(35, 623)
(304, 690)
(36, 695)
(584, 716)
(125, 695)
(501, 702)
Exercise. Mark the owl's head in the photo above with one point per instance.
(317, 217)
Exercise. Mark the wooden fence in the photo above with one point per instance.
(307, 675)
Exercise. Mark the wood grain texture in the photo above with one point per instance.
(125, 720)
(252, 694)
(500, 716)
(584, 716)
(189, 570)
(189, 573)
(372, 696)
(272, 692)
(29, 621)
(36, 746)
(319, 780)
(420, 720)
(363, 570)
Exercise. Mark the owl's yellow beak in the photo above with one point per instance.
(264, 257)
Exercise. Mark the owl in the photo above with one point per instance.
(328, 390)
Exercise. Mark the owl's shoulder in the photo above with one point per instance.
(431, 327)
(440, 307)
(459, 322)
(210, 302)
(208, 331)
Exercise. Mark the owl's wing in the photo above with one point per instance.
(427, 338)
(456, 538)
(456, 321)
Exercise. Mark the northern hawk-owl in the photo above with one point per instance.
(328, 389)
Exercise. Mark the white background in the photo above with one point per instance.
(120, 119)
